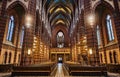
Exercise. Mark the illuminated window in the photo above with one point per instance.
(10, 29)
(109, 28)
(98, 36)
(60, 39)
(22, 36)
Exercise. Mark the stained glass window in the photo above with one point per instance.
(60, 39)
(109, 28)
(10, 28)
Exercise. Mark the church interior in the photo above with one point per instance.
(59, 38)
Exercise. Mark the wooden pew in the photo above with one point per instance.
(113, 68)
(33, 70)
(78, 70)
(6, 67)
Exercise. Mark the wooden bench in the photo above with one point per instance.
(6, 67)
(34, 70)
(88, 73)
(113, 68)
(78, 70)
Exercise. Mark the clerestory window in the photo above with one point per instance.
(109, 28)
(11, 26)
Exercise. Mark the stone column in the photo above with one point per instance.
(29, 32)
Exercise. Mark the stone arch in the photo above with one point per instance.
(15, 8)
(56, 30)
(106, 4)
(21, 6)
(102, 9)
(16, 3)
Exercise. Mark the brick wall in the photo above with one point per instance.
(29, 32)
(3, 18)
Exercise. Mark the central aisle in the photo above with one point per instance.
(59, 72)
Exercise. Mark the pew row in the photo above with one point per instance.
(34, 70)
(78, 70)
(6, 68)
(114, 68)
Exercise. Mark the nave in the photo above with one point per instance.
(84, 35)
(59, 72)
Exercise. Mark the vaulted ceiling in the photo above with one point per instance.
(60, 12)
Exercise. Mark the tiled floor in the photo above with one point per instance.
(59, 72)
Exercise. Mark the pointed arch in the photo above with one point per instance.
(105, 4)
(56, 29)
(17, 3)
(60, 39)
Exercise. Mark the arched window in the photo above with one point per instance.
(60, 39)
(5, 57)
(10, 55)
(22, 36)
(98, 36)
(109, 28)
(110, 55)
(115, 57)
(10, 28)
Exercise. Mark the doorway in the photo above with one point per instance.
(60, 60)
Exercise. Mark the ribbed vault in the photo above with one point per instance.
(59, 12)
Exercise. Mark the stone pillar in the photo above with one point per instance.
(117, 23)
(90, 29)
(29, 32)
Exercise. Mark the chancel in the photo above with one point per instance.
(60, 38)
